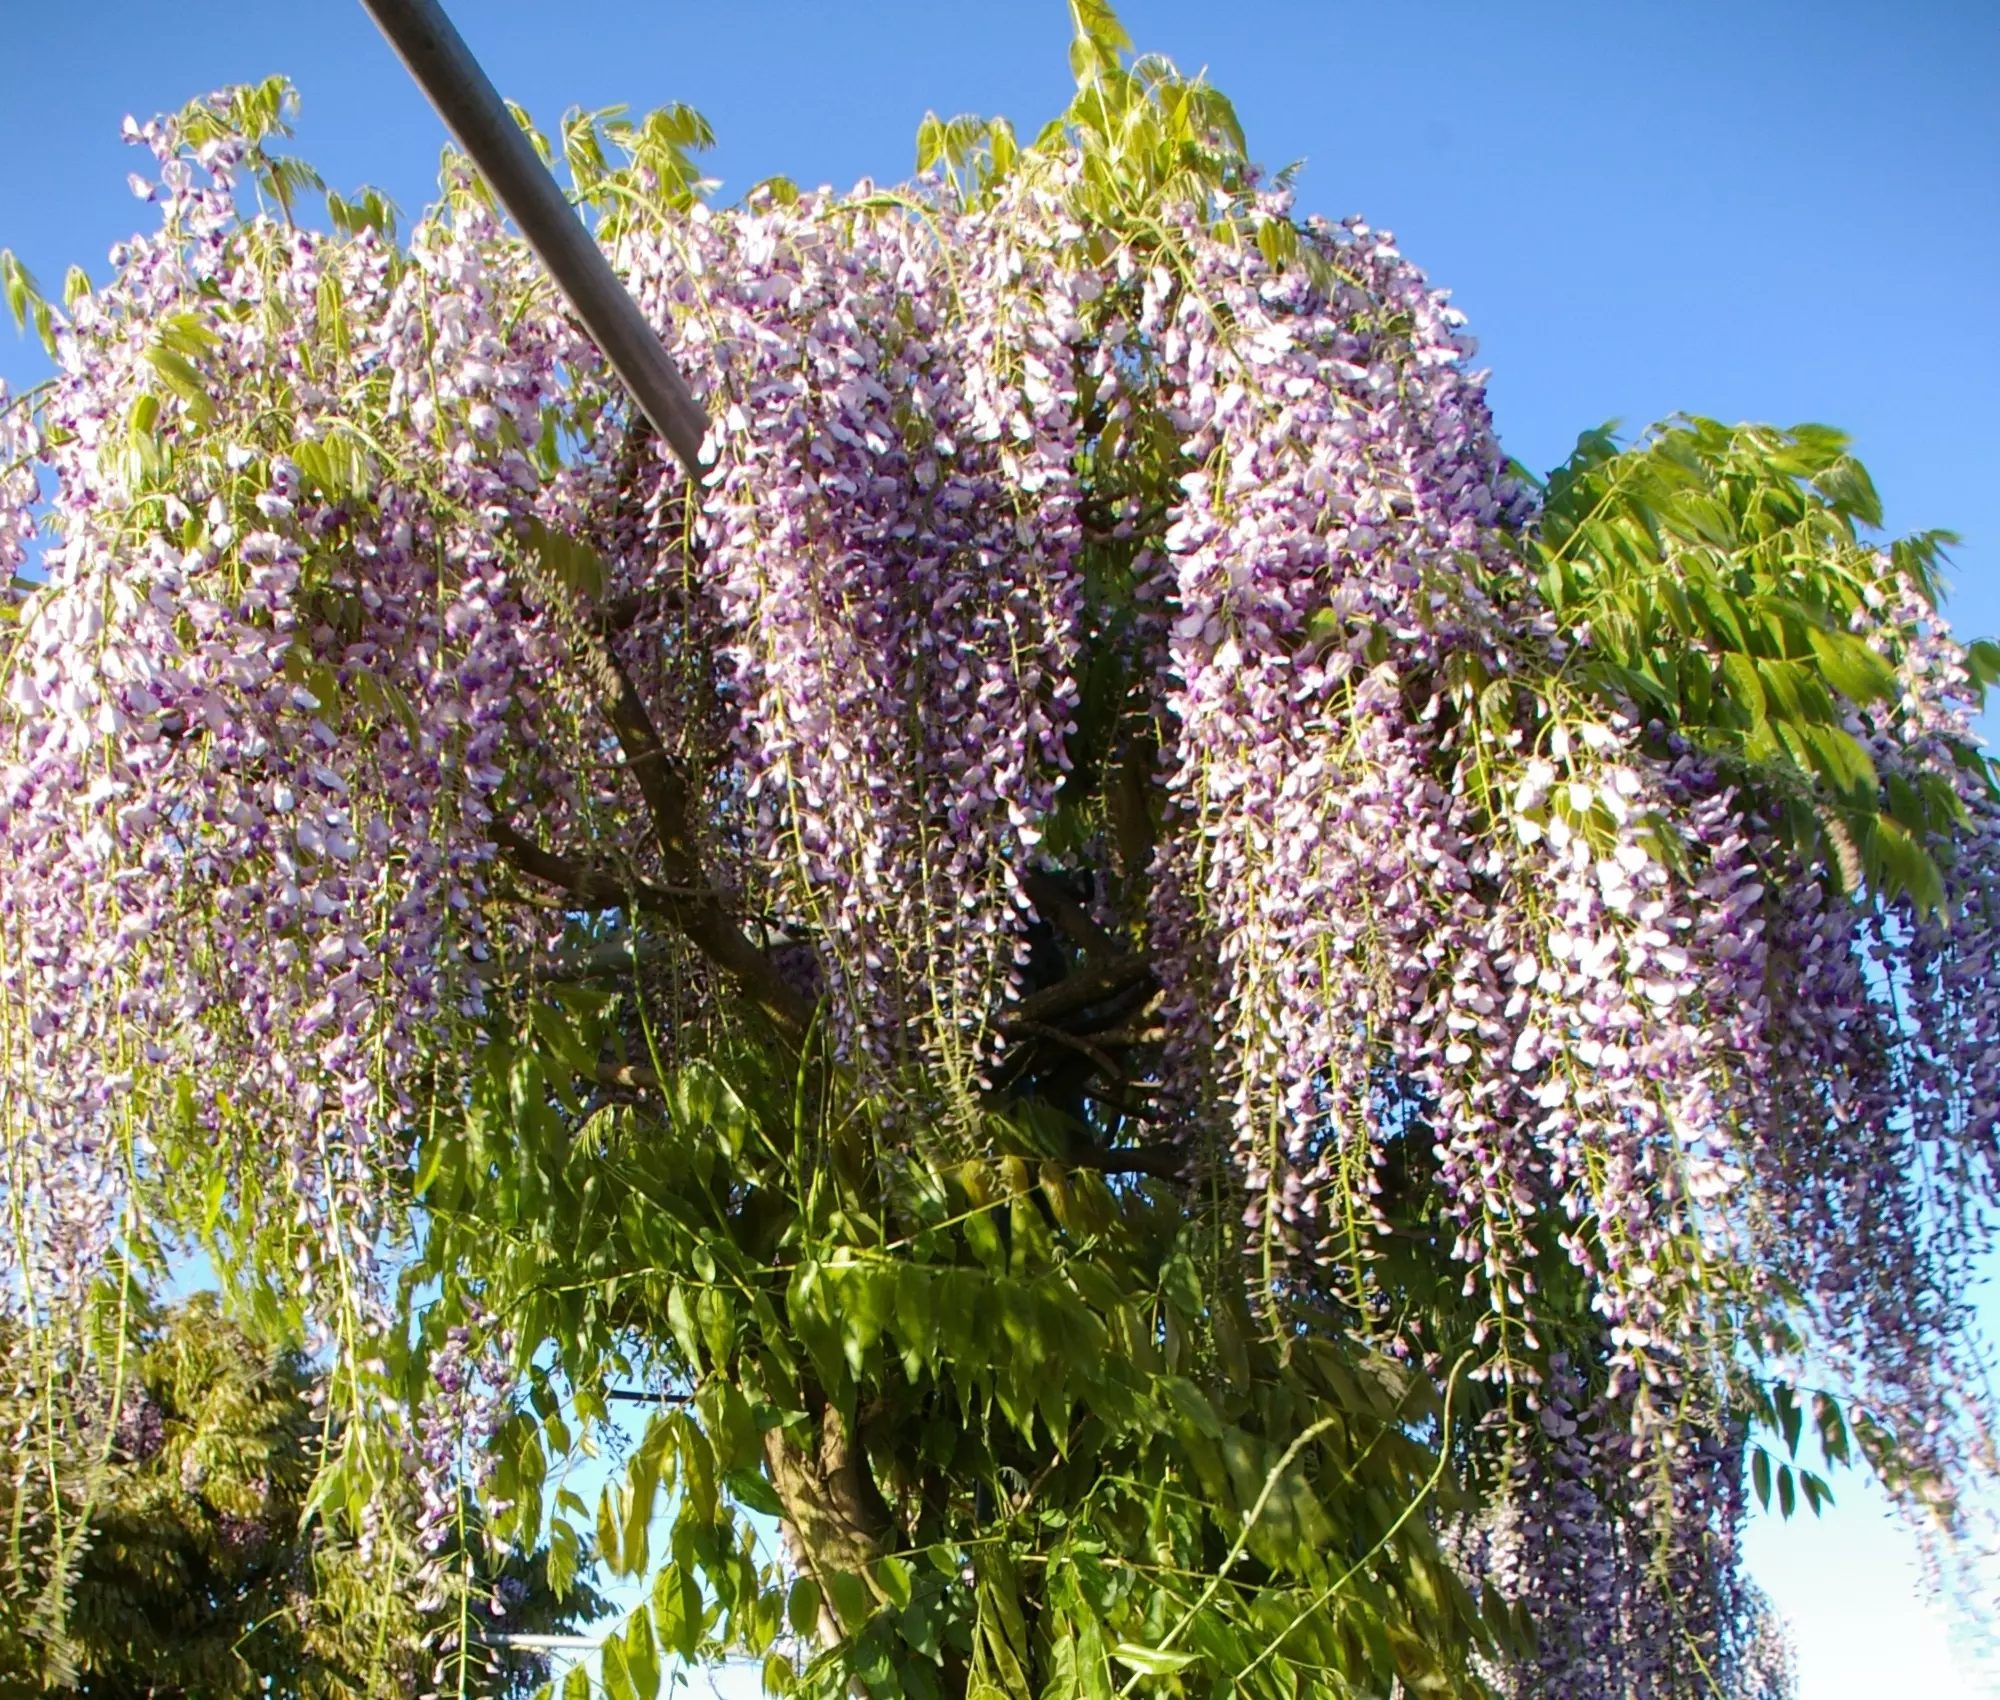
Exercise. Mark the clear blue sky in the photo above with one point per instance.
(1767, 209)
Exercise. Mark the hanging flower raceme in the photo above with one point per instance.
(1633, 1593)
(889, 533)
(1405, 918)
(20, 446)
(1550, 941)
(256, 713)
(1310, 594)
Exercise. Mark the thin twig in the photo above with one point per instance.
(1159, 1162)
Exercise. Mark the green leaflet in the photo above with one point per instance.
(178, 373)
(1151, 1661)
(1711, 577)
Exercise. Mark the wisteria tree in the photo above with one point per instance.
(1205, 1040)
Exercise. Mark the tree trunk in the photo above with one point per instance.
(835, 1521)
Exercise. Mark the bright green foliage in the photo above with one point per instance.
(1146, 139)
(25, 301)
(1054, 1381)
(1717, 577)
(257, 112)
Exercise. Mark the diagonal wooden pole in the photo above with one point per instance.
(473, 111)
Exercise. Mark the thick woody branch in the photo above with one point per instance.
(702, 916)
(1160, 1163)
(1127, 1038)
(1066, 915)
(586, 887)
(1104, 1063)
(696, 909)
(835, 1521)
(1115, 1012)
(1090, 984)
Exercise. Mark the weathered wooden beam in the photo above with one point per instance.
(473, 111)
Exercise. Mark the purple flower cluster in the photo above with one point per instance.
(1634, 1027)
(1625, 1560)
(470, 1384)
(890, 533)
(20, 447)
(142, 1427)
(257, 711)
